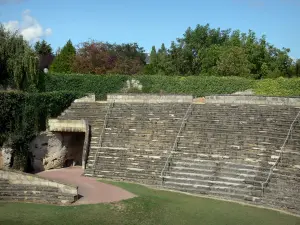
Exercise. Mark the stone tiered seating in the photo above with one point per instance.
(31, 193)
(228, 150)
(94, 113)
(136, 141)
(224, 150)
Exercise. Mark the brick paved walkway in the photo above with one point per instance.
(91, 190)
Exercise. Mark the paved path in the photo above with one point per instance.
(92, 190)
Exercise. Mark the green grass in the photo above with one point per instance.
(150, 207)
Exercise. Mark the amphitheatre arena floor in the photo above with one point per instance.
(91, 190)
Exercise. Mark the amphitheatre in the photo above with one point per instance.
(242, 148)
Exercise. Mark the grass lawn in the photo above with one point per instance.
(150, 207)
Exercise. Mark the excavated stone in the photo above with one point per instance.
(6, 153)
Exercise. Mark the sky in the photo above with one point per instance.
(149, 22)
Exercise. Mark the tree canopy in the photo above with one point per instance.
(63, 61)
(210, 51)
(43, 48)
(102, 58)
(18, 62)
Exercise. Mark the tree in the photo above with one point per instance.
(209, 59)
(297, 68)
(18, 62)
(162, 55)
(199, 50)
(43, 48)
(153, 56)
(233, 62)
(64, 60)
(101, 58)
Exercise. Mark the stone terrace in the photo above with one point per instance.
(224, 148)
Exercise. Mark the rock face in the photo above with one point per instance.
(53, 150)
(1, 160)
(5, 157)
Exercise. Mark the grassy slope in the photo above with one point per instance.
(151, 207)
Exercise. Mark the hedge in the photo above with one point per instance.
(101, 85)
(198, 86)
(24, 115)
(278, 87)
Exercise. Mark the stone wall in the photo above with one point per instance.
(250, 99)
(17, 186)
(149, 98)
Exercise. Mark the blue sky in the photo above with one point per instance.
(150, 22)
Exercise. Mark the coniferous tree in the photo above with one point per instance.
(43, 48)
(64, 60)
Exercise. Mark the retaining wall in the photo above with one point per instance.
(17, 186)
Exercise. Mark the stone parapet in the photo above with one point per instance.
(149, 98)
(67, 125)
(250, 99)
(88, 98)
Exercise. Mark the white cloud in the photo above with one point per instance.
(29, 27)
(48, 31)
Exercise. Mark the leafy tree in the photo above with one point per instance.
(233, 62)
(199, 50)
(102, 58)
(18, 62)
(152, 67)
(153, 56)
(162, 59)
(64, 60)
(209, 59)
(43, 48)
(297, 68)
(264, 70)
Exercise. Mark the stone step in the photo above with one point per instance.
(39, 199)
(206, 181)
(254, 159)
(220, 175)
(221, 191)
(198, 162)
(22, 187)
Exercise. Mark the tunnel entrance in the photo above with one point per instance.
(73, 142)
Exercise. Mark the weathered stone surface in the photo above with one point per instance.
(1, 161)
(149, 98)
(5, 157)
(225, 149)
(17, 186)
(56, 152)
(52, 150)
